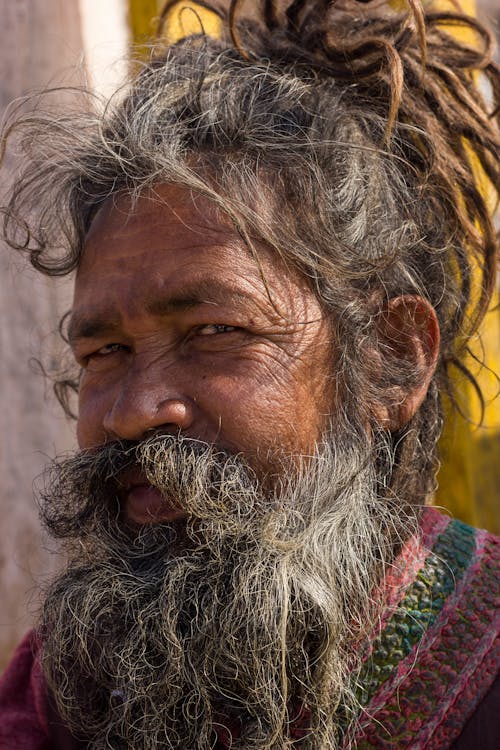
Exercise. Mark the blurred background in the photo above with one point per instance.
(47, 43)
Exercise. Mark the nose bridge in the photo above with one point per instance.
(148, 396)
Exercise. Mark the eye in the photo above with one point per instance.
(107, 349)
(214, 328)
(101, 354)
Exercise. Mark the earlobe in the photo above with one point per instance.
(408, 332)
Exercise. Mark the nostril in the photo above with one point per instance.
(138, 410)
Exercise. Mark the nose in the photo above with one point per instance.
(140, 406)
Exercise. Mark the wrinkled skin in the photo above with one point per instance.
(176, 327)
(245, 580)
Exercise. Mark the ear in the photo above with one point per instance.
(409, 334)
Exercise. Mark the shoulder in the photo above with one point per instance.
(437, 655)
(23, 721)
(28, 720)
(482, 730)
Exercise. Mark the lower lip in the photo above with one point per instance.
(145, 504)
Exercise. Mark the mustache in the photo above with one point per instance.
(248, 609)
(78, 492)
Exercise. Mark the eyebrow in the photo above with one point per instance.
(106, 321)
(203, 292)
(92, 325)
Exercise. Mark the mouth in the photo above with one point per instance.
(143, 503)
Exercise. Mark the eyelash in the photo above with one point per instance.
(114, 346)
(220, 328)
(109, 346)
(217, 326)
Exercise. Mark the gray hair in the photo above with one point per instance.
(291, 141)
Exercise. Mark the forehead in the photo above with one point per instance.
(166, 240)
(167, 220)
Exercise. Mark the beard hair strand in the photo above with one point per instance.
(253, 611)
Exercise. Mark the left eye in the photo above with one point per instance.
(109, 349)
(214, 328)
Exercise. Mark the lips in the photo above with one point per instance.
(144, 503)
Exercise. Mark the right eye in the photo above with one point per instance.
(103, 354)
(107, 349)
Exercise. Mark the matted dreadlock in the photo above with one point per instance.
(362, 130)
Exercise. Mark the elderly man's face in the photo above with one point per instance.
(177, 328)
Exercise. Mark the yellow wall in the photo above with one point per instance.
(143, 15)
(185, 18)
(469, 479)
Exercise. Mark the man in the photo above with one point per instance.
(273, 240)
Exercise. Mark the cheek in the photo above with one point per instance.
(310, 402)
(281, 408)
(92, 406)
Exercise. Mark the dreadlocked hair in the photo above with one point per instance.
(346, 135)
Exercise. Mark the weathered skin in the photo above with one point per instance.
(174, 328)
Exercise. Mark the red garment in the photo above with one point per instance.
(23, 711)
(430, 679)
(27, 721)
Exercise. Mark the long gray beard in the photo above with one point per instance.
(235, 620)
